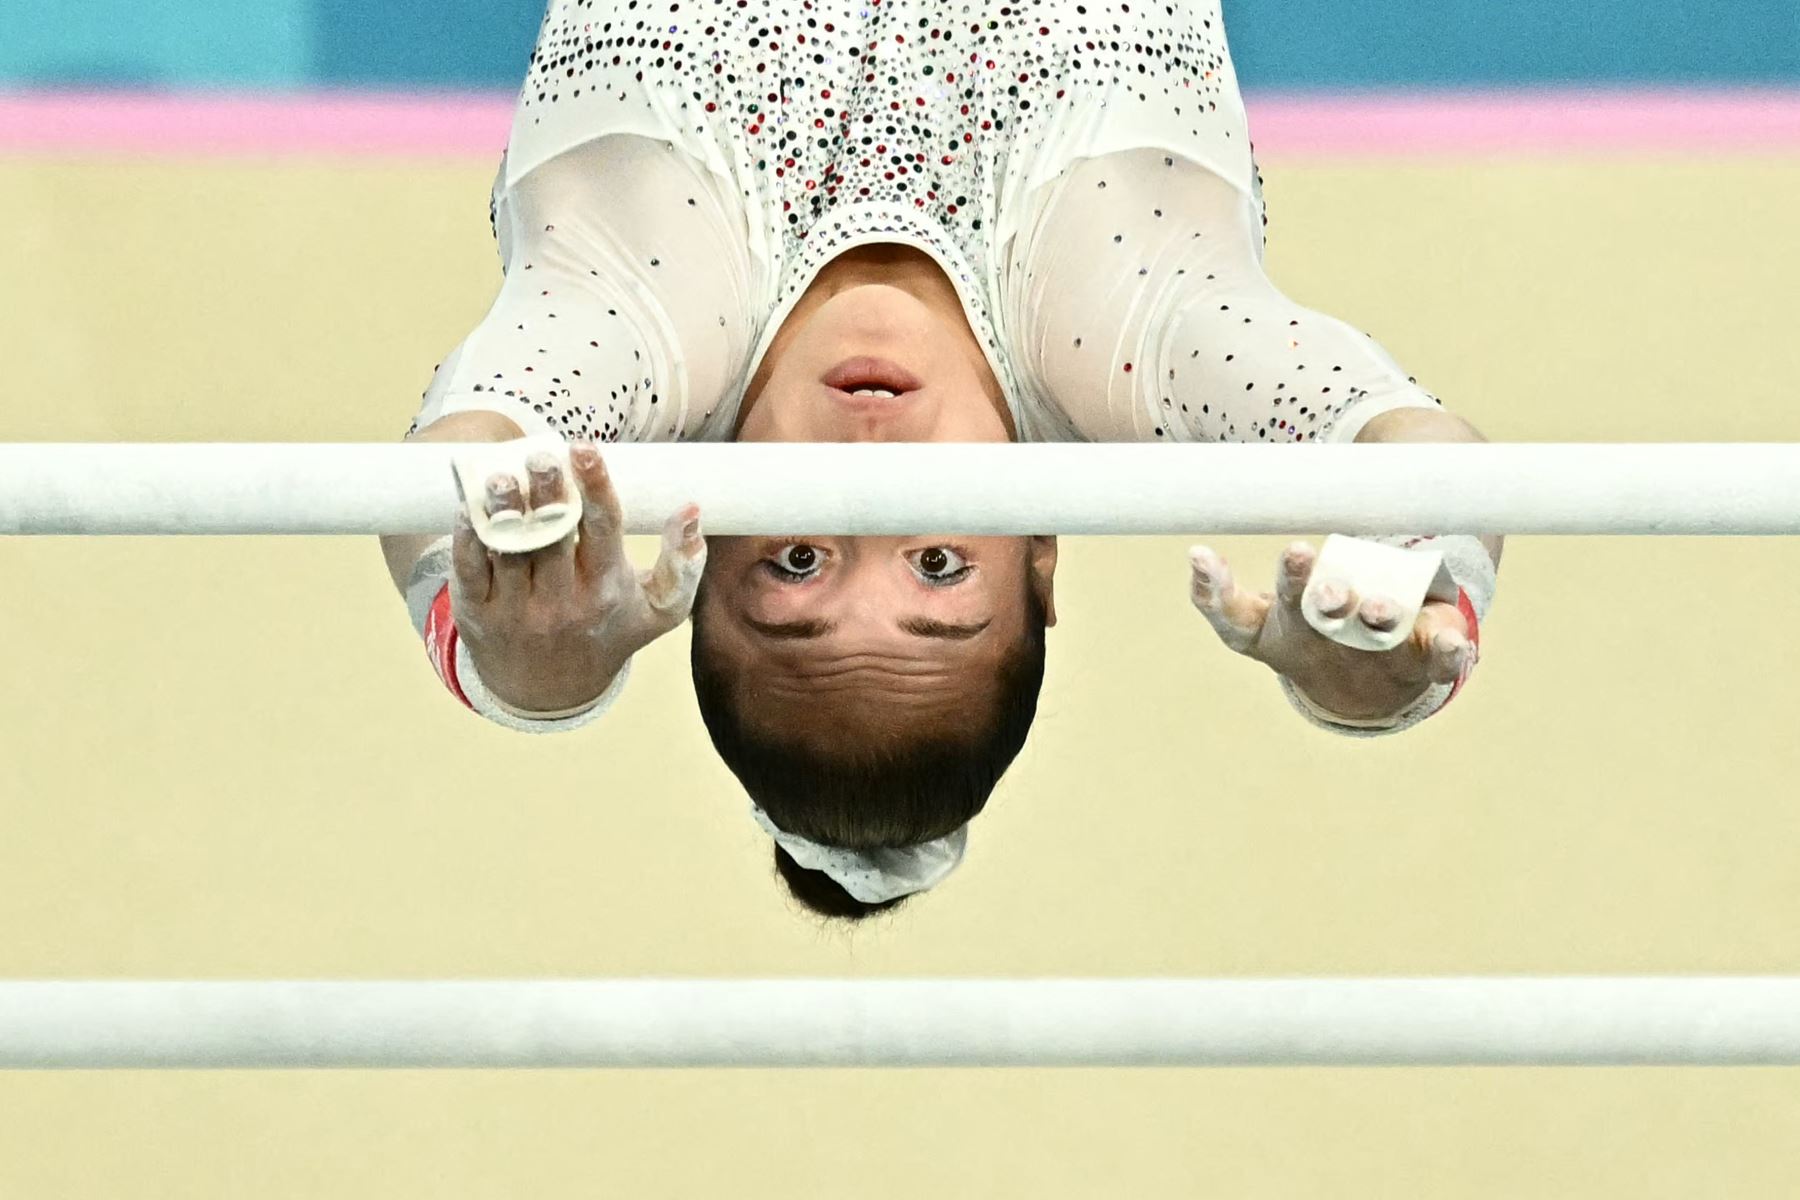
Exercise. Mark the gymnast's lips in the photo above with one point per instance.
(854, 374)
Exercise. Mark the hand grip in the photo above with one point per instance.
(1409, 578)
(511, 531)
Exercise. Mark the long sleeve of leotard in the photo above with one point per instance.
(1149, 315)
(621, 317)
(623, 314)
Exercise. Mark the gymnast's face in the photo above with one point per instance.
(835, 637)
(838, 636)
(877, 350)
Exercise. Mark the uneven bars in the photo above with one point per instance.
(904, 1023)
(1747, 489)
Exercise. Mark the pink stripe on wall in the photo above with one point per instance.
(232, 124)
(1526, 122)
(1356, 126)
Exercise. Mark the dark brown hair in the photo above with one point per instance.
(869, 797)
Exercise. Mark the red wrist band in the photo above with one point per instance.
(440, 644)
(1467, 608)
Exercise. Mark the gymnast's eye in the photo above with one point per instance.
(940, 566)
(795, 564)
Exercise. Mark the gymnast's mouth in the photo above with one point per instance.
(864, 379)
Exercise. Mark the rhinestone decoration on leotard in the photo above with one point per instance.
(909, 104)
(843, 122)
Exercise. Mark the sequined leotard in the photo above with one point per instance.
(680, 170)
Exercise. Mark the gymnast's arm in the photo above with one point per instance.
(1155, 320)
(1260, 367)
(543, 641)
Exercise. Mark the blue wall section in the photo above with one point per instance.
(425, 43)
(157, 43)
(1437, 43)
(1287, 44)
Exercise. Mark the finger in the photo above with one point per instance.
(512, 577)
(553, 567)
(1336, 599)
(469, 560)
(504, 498)
(1380, 613)
(1440, 638)
(602, 544)
(1296, 569)
(546, 480)
(670, 585)
(1236, 615)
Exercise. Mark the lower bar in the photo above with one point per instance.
(904, 1023)
(776, 489)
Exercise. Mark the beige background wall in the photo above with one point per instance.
(228, 758)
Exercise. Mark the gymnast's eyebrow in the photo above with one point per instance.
(926, 627)
(805, 630)
(791, 630)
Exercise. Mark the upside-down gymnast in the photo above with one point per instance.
(887, 220)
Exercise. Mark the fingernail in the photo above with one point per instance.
(691, 530)
(584, 456)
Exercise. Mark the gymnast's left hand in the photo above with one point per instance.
(1351, 683)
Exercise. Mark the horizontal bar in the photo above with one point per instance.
(907, 489)
(904, 1023)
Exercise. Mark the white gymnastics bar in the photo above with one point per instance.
(904, 1023)
(1742, 489)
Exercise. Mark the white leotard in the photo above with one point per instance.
(680, 170)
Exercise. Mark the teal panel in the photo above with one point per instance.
(157, 43)
(1279, 44)
(1332, 45)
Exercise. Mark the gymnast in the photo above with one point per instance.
(887, 220)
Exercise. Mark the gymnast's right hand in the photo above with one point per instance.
(549, 630)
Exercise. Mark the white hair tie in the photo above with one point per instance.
(874, 876)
